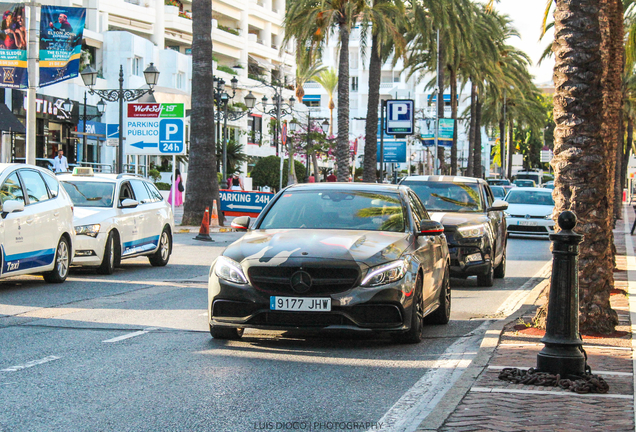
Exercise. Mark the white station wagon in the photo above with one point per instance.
(36, 223)
(118, 216)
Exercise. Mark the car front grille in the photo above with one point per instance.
(325, 280)
(524, 216)
(295, 319)
(527, 229)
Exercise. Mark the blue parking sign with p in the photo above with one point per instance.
(400, 114)
(171, 134)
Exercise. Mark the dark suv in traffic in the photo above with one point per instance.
(474, 223)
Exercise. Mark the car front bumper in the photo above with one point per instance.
(535, 227)
(379, 309)
(89, 251)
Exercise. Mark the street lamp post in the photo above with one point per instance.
(151, 74)
(101, 108)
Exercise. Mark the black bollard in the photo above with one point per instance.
(562, 352)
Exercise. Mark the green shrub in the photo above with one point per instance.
(266, 172)
(163, 186)
(154, 174)
(226, 69)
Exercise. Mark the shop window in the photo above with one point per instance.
(354, 84)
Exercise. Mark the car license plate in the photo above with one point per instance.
(300, 304)
(527, 223)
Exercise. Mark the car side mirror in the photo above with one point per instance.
(498, 205)
(129, 203)
(430, 227)
(241, 223)
(11, 207)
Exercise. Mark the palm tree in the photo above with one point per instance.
(387, 20)
(328, 79)
(581, 176)
(307, 68)
(203, 186)
(311, 21)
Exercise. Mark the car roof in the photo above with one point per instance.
(443, 178)
(348, 186)
(525, 189)
(98, 177)
(4, 166)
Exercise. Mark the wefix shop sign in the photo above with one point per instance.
(155, 129)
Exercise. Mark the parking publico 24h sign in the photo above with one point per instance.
(155, 129)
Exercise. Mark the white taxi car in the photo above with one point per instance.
(36, 223)
(118, 216)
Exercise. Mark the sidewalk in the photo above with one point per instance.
(479, 401)
(178, 215)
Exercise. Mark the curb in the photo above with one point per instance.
(454, 396)
(188, 229)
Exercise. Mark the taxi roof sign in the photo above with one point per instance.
(83, 171)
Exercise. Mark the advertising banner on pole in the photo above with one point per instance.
(61, 30)
(445, 137)
(155, 129)
(394, 151)
(13, 46)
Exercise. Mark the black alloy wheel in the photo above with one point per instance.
(500, 271)
(441, 315)
(415, 333)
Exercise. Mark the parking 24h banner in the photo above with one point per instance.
(13, 45)
(61, 30)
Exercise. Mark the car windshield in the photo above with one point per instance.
(500, 182)
(90, 194)
(498, 191)
(537, 197)
(525, 183)
(330, 209)
(448, 196)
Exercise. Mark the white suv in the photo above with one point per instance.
(117, 217)
(36, 223)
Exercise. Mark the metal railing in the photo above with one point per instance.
(99, 167)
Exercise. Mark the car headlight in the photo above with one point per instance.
(549, 217)
(472, 231)
(385, 274)
(89, 230)
(229, 270)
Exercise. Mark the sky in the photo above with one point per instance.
(527, 17)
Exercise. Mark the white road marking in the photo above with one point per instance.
(420, 400)
(595, 372)
(126, 336)
(547, 392)
(30, 364)
(203, 314)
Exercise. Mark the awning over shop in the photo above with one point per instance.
(9, 122)
(311, 98)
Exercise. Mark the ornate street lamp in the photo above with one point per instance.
(151, 75)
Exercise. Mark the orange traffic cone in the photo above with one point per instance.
(214, 219)
(204, 231)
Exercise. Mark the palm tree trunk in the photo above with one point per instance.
(617, 31)
(627, 150)
(342, 142)
(471, 133)
(314, 161)
(371, 127)
(453, 95)
(203, 186)
(581, 176)
(477, 162)
(291, 176)
(510, 147)
(502, 141)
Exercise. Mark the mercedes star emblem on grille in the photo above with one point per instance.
(301, 281)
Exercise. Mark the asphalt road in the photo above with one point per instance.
(131, 352)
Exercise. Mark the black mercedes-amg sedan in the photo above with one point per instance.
(337, 256)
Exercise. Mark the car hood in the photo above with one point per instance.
(277, 247)
(91, 215)
(529, 209)
(456, 219)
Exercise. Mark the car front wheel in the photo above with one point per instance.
(487, 279)
(441, 315)
(162, 256)
(415, 333)
(110, 256)
(61, 264)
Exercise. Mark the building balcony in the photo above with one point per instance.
(128, 16)
(173, 21)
